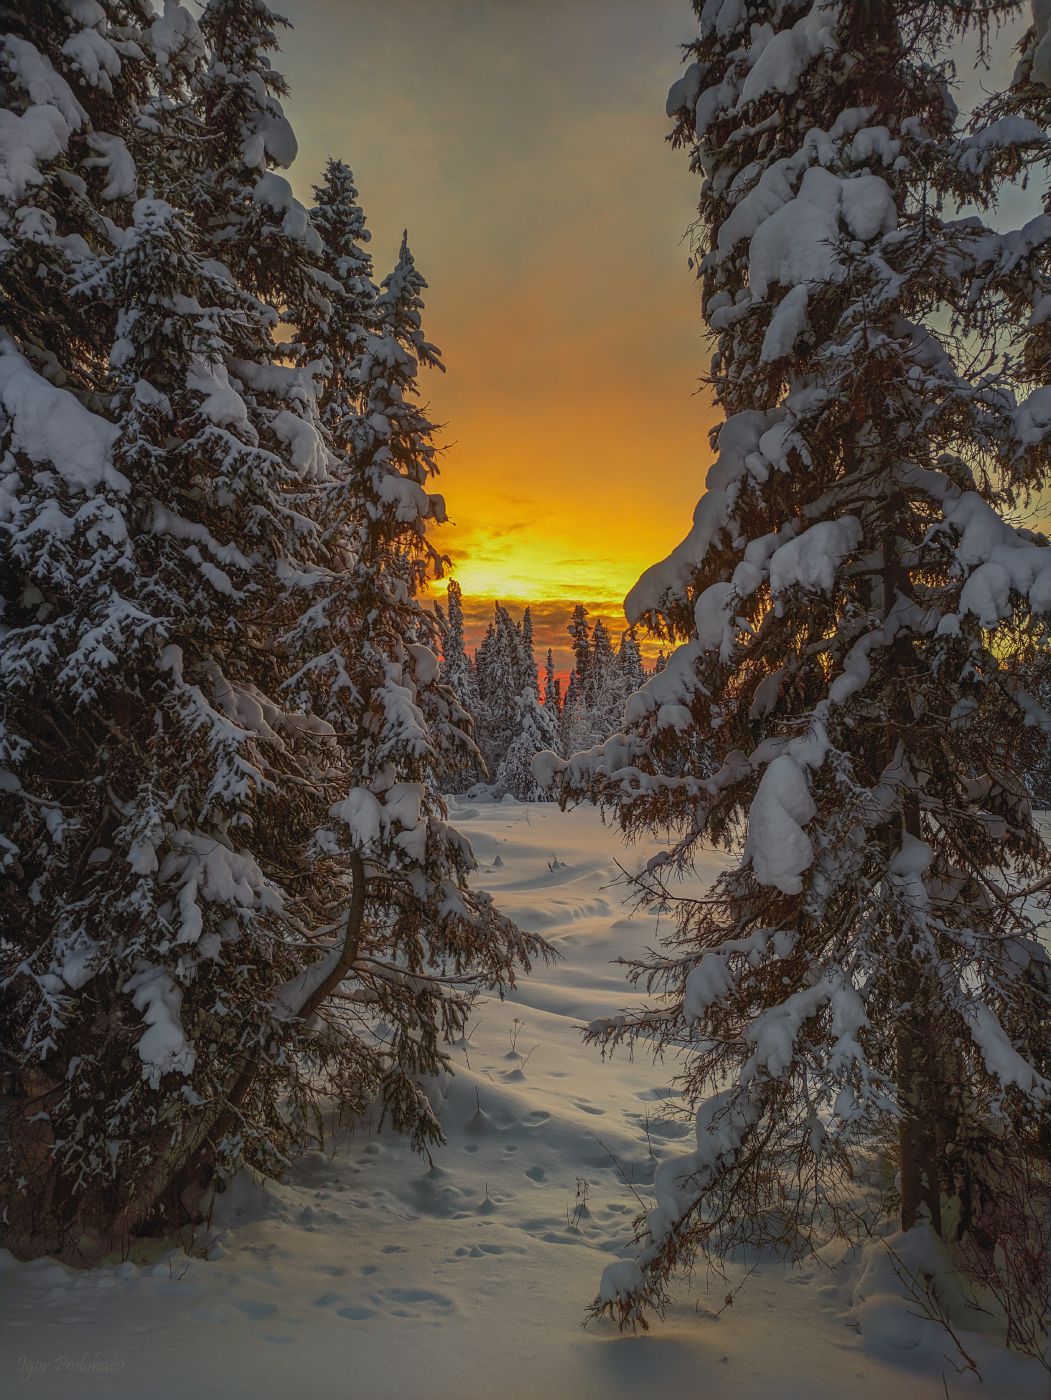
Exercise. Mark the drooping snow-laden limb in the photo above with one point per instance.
(302, 997)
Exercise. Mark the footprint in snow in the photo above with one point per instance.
(536, 1173)
(587, 1107)
(254, 1309)
(559, 1237)
(479, 1251)
(355, 1312)
(407, 1298)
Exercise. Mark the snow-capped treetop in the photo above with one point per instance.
(393, 438)
(341, 314)
(401, 307)
(254, 222)
(242, 87)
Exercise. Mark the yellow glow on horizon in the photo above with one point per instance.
(531, 571)
(524, 149)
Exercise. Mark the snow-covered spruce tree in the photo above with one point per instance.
(552, 687)
(1008, 139)
(601, 680)
(535, 726)
(458, 674)
(154, 797)
(72, 79)
(499, 668)
(632, 672)
(536, 731)
(400, 968)
(579, 629)
(575, 726)
(576, 714)
(169, 128)
(171, 928)
(605, 686)
(529, 674)
(484, 657)
(1010, 135)
(847, 607)
(336, 322)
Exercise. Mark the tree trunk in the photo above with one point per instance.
(917, 1058)
(918, 1131)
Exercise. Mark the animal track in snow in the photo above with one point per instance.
(481, 1251)
(414, 1302)
(252, 1308)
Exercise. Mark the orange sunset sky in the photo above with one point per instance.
(522, 144)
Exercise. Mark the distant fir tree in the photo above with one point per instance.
(579, 630)
(535, 727)
(602, 679)
(632, 672)
(499, 666)
(602, 659)
(459, 675)
(575, 726)
(486, 729)
(536, 731)
(552, 686)
(528, 652)
(604, 689)
(848, 608)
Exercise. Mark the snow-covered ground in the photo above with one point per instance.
(368, 1273)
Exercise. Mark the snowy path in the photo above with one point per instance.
(367, 1274)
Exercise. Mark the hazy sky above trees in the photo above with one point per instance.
(523, 146)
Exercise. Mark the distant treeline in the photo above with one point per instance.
(516, 715)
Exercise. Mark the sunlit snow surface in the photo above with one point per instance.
(366, 1273)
